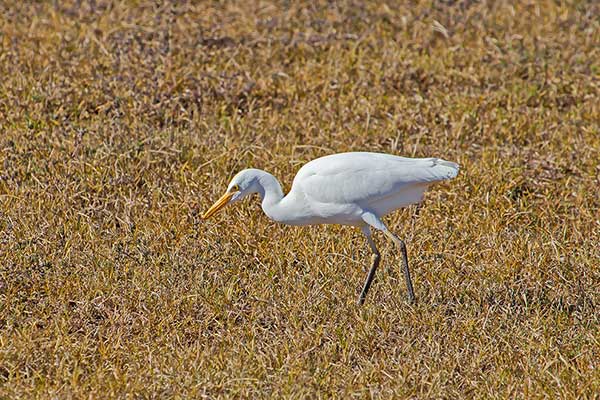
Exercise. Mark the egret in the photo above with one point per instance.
(355, 189)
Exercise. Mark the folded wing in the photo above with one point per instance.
(366, 178)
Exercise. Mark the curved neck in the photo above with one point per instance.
(270, 191)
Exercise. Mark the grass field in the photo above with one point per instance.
(121, 122)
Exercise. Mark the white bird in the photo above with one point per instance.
(355, 189)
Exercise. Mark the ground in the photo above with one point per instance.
(121, 122)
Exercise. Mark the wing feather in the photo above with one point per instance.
(362, 178)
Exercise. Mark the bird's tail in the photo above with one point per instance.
(447, 169)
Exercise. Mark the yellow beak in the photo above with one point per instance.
(222, 202)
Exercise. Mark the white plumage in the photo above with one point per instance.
(349, 188)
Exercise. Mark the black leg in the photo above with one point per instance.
(409, 285)
(370, 276)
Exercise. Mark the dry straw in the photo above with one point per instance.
(121, 121)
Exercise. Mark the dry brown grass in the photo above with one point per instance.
(122, 121)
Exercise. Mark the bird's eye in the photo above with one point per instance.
(235, 188)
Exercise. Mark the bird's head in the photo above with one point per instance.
(242, 185)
